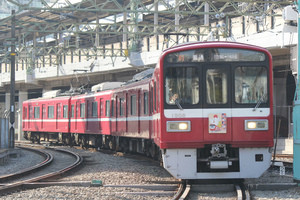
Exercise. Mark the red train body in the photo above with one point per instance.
(206, 110)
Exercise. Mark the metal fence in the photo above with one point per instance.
(283, 126)
(4, 128)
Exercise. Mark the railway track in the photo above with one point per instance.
(170, 190)
(48, 158)
(185, 191)
(56, 163)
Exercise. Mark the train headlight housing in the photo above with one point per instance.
(256, 125)
(178, 126)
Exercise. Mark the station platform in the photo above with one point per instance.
(284, 146)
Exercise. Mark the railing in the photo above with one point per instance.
(283, 121)
(4, 128)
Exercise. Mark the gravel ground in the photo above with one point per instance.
(24, 160)
(117, 169)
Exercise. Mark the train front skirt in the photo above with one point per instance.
(185, 164)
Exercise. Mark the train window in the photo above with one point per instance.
(36, 112)
(133, 104)
(182, 85)
(216, 86)
(121, 106)
(82, 110)
(94, 109)
(250, 85)
(107, 108)
(72, 111)
(50, 112)
(146, 103)
(65, 111)
(215, 55)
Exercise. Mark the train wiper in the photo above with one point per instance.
(259, 102)
(178, 104)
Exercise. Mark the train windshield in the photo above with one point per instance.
(250, 85)
(182, 85)
(216, 77)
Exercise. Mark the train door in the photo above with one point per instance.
(139, 111)
(113, 116)
(217, 103)
(25, 117)
(29, 115)
(87, 115)
(116, 103)
(101, 114)
(126, 112)
(58, 114)
(76, 114)
(43, 115)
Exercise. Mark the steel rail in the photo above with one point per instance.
(48, 159)
(20, 185)
(242, 192)
(183, 191)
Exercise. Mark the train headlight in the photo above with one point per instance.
(259, 125)
(178, 126)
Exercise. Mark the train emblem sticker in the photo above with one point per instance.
(217, 123)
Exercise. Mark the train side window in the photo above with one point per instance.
(112, 107)
(146, 103)
(65, 111)
(82, 110)
(50, 112)
(72, 111)
(250, 85)
(94, 109)
(36, 112)
(133, 104)
(121, 101)
(107, 108)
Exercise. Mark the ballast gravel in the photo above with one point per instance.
(119, 170)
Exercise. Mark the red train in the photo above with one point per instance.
(206, 109)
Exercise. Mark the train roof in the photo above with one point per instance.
(106, 86)
(213, 44)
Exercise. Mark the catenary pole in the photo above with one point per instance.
(12, 84)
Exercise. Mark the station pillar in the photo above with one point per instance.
(296, 116)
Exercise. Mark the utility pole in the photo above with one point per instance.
(12, 83)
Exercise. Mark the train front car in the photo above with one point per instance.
(216, 110)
